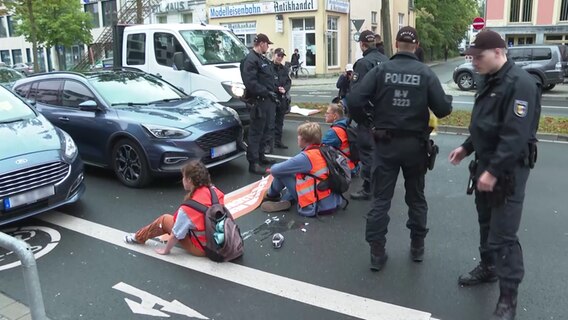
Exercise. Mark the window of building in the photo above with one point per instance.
(109, 12)
(17, 56)
(93, 10)
(400, 20)
(75, 93)
(5, 57)
(136, 49)
(520, 11)
(374, 17)
(187, 18)
(564, 10)
(48, 92)
(28, 55)
(304, 39)
(3, 31)
(332, 42)
(162, 19)
(11, 30)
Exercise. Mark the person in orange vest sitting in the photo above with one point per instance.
(292, 174)
(336, 136)
(196, 181)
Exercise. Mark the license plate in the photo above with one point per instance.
(223, 150)
(28, 197)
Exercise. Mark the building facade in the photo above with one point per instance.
(529, 21)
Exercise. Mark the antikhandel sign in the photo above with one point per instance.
(265, 7)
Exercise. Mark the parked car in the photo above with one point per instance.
(9, 76)
(544, 62)
(25, 68)
(135, 123)
(39, 164)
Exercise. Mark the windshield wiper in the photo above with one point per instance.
(13, 120)
(130, 104)
(170, 100)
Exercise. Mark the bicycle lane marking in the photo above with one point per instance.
(303, 292)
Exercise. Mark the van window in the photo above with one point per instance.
(541, 54)
(215, 46)
(519, 54)
(75, 93)
(165, 45)
(136, 49)
(48, 91)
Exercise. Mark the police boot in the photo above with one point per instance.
(378, 256)
(364, 193)
(417, 249)
(506, 306)
(480, 274)
(264, 160)
(280, 145)
(256, 168)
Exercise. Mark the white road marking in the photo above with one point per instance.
(30, 232)
(317, 296)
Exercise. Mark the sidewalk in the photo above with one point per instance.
(11, 309)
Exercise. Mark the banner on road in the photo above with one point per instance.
(247, 198)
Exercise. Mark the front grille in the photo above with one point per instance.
(215, 139)
(31, 178)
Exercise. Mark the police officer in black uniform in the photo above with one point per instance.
(503, 129)
(283, 85)
(258, 78)
(401, 90)
(371, 58)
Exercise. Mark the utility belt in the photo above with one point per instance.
(504, 188)
(387, 135)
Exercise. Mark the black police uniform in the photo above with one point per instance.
(282, 79)
(258, 78)
(371, 58)
(401, 91)
(503, 129)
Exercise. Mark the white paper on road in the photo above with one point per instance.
(303, 111)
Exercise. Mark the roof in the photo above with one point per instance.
(175, 27)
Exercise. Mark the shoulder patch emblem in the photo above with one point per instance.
(355, 77)
(520, 108)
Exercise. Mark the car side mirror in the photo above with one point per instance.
(180, 62)
(89, 105)
(31, 102)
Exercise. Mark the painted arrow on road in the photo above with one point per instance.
(146, 306)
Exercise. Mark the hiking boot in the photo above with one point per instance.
(267, 161)
(280, 145)
(275, 206)
(361, 195)
(480, 274)
(506, 307)
(417, 249)
(256, 169)
(130, 239)
(378, 257)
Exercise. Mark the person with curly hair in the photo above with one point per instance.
(196, 181)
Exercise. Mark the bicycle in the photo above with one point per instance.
(299, 71)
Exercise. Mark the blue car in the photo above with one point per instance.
(134, 123)
(39, 164)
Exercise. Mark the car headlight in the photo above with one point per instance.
(69, 147)
(235, 89)
(162, 132)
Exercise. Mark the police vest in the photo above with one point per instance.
(344, 148)
(306, 185)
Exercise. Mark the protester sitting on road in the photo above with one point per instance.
(196, 181)
(336, 136)
(292, 174)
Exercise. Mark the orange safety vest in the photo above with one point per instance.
(344, 148)
(306, 185)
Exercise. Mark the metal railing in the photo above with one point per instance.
(29, 269)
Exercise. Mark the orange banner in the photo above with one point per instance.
(247, 198)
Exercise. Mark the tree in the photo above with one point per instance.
(386, 23)
(442, 24)
(62, 22)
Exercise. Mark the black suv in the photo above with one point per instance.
(547, 63)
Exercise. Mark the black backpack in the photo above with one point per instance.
(339, 174)
(218, 215)
(352, 138)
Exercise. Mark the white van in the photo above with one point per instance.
(208, 59)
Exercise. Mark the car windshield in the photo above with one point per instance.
(8, 75)
(215, 46)
(132, 88)
(13, 109)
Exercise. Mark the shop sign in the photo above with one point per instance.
(175, 6)
(337, 6)
(240, 10)
(295, 5)
(241, 27)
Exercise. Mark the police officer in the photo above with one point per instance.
(283, 85)
(503, 129)
(402, 89)
(258, 78)
(371, 58)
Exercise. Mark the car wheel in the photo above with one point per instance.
(465, 81)
(549, 86)
(129, 164)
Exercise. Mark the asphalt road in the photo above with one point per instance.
(319, 273)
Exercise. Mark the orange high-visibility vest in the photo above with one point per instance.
(344, 148)
(306, 185)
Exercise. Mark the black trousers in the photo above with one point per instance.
(408, 154)
(261, 129)
(366, 145)
(498, 227)
(281, 111)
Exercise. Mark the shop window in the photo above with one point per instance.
(187, 18)
(162, 19)
(93, 10)
(332, 42)
(109, 12)
(304, 39)
(564, 10)
(520, 11)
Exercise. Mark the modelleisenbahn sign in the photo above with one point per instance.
(266, 7)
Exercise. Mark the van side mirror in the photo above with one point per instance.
(31, 102)
(180, 61)
(89, 105)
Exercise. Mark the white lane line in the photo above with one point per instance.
(321, 297)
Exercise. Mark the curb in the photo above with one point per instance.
(440, 129)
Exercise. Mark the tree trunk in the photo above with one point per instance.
(139, 17)
(33, 34)
(386, 23)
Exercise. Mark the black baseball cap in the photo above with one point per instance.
(261, 37)
(279, 51)
(407, 34)
(366, 36)
(486, 39)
